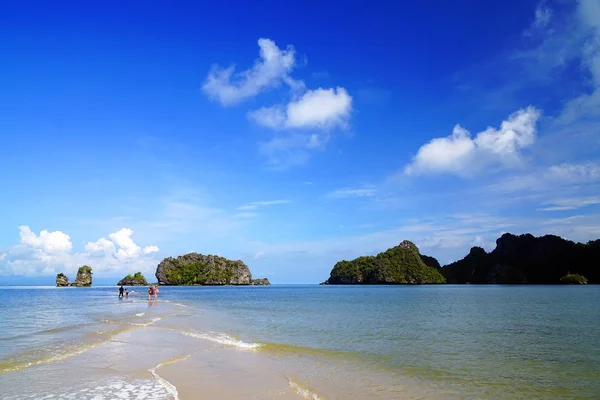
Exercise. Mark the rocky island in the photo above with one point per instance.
(136, 280)
(526, 259)
(199, 269)
(83, 278)
(402, 264)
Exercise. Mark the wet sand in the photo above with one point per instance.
(169, 352)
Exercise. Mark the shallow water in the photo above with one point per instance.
(333, 341)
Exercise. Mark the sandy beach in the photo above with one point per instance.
(170, 352)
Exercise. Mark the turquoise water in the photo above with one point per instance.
(477, 341)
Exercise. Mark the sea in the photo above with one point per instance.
(301, 341)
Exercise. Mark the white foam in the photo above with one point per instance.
(169, 387)
(307, 394)
(222, 338)
(153, 320)
(109, 390)
(140, 314)
(57, 357)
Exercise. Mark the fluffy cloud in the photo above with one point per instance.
(52, 252)
(47, 242)
(320, 108)
(271, 70)
(462, 155)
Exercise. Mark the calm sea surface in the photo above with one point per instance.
(475, 341)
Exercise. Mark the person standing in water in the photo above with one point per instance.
(150, 292)
(126, 293)
(156, 292)
(121, 291)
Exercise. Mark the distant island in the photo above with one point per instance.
(210, 270)
(526, 259)
(523, 259)
(83, 278)
(402, 264)
(136, 280)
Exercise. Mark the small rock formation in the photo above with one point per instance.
(260, 282)
(402, 264)
(199, 269)
(62, 280)
(136, 280)
(84, 277)
(527, 259)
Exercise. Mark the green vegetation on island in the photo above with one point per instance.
(83, 278)
(526, 259)
(573, 279)
(402, 264)
(136, 280)
(199, 269)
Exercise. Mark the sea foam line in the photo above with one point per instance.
(59, 357)
(153, 320)
(169, 387)
(221, 338)
(307, 394)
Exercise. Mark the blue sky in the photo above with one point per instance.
(291, 134)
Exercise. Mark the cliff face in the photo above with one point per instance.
(83, 278)
(62, 280)
(402, 264)
(198, 269)
(527, 259)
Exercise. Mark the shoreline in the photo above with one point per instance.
(170, 349)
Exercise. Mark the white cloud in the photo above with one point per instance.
(268, 203)
(284, 151)
(572, 203)
(101, 246)
(353, 192)
(542, 16)
(271, 70)
(257, 204)
(259, 255)
(47, 242)
(462, 155)
(151, 249)
(319, 108)
(127, 247)
(586, 105)
(574, 172)
(52, 252)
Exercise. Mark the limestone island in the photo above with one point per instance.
(209, 270)
(136, 280)
(526, 259)
(83, 278)
(402, 264)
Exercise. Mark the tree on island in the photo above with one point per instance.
(137, 279)
(574, 279)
